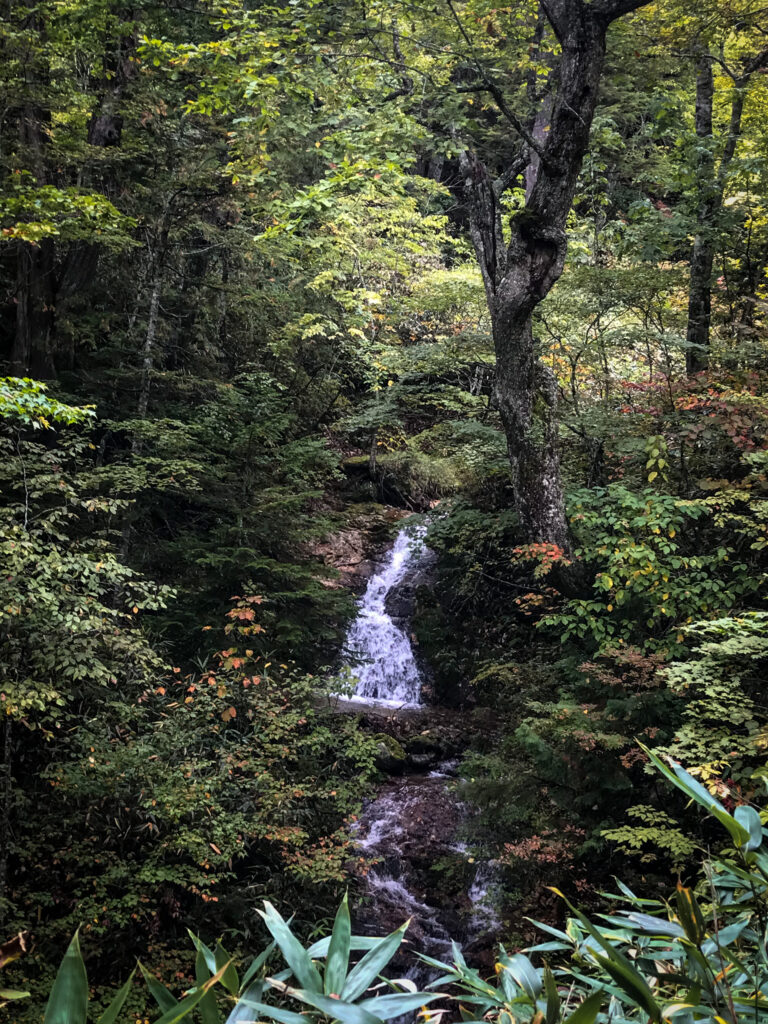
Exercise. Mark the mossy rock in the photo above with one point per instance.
(356, 464)
(426, 742)
(390, 756)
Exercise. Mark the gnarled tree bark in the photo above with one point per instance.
(519, 272)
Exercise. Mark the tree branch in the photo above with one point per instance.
(497, 94)
(757, 62)
(553, 9)
(613, 9)
(505, 179)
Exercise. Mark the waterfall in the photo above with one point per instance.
(416, 818)
(378, 648)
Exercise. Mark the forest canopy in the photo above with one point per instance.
(280, 283)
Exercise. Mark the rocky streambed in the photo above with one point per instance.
(413, 860)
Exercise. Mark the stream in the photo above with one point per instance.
(410, 833)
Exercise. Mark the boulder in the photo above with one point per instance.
(390, 756)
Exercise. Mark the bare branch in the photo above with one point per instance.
(496, 92)
(555, 14)
(505, 179)
(613, 9)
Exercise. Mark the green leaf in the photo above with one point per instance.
(336, 1009)
(337, 962)
(181, 1009)
(553, 997)
(691, 917)
(630, 982)
(12, 993)
(695, 791)
(395, 1003)
(229, 978)
(207, 953)
(587, 1012)
(209, 1011)
(68, 1001)
(112, 1012)
(164, 999)
(619, 967)
(257, 963)
(524, 973)
(648, 924)
(274, 1012)
(295, 955)
(357, 942)
(749, 819)
(242, 1010)
(372, 964)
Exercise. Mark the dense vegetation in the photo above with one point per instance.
(269, 268)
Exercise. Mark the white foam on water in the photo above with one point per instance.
(381, 658)
(380, 651)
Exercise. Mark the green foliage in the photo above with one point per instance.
(723, 726)
(30, 213)
(205, 788)
(24, 403)
(656, 832)
(241, 479)
(649, 576)
(69, 609)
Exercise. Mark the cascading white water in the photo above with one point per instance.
(417, 814)
(379, 649)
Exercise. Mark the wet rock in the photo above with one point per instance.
(390, 756)
(421, 761)
(427, 742)
(402, 599)
(355, 551)
(417, 867)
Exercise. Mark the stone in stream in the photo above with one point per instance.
(417, 867)
(390, 756)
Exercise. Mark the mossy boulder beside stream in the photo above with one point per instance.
(390, 755)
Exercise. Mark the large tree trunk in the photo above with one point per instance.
(519, 274)
(35, 301)
(699, 306)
